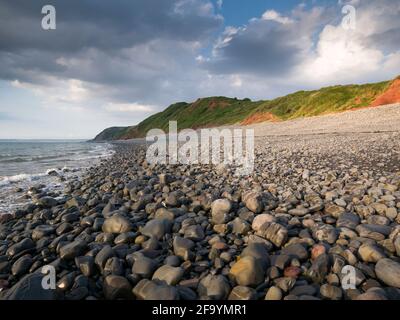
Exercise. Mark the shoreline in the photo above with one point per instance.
(128, 230)
(14, 188)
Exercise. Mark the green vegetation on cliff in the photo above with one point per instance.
(218, 111)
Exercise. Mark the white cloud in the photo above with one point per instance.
(236, 81)
(129, 107)
(275, 16)
(360, 55)
(341, 56)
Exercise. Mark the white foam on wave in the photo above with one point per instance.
(20, 177)
(102, 151)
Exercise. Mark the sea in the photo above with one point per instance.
(25, 163)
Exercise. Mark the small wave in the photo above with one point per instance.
(20, 177)
(13, 160)
(103, 155)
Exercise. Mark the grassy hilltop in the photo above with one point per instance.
(217, 111)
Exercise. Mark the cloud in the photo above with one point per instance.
(269, 46)
(309, 47)
(4, 116)
(118, 61)
(275, 16)
(120, 51)
(128, 107)
(367, 53)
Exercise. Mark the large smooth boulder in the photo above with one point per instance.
(30, 288)
(72, 250)
(156, 228)
(248, 271)
(117, 224)
(169, 274)
(117, 287)
(215, 287)
(152, 290)
(219, 211)
(388, 271)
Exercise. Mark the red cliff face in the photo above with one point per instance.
(391, 95)
(259, 117)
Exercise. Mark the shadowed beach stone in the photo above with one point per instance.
(46, 202)
(219, 211)
(248, 271)
(371, 253)
(215, 287)
(302, 290)
(164, 213)
(144, 266)
(253, 201)
(334, 210)
(86, 265)
(64, 228)
(258, 251)
(156, 228)
(73, 249)
(292, 272)
(151, 290)
(165, 178)
(285, 283)
(102, 256)
(296, 250)
(41, 231)
(30, 288)
(74, 202)
(169, 274)
(299, 212)
(182, 247)
(331, 292)
(280, 261)
(242, 293)
(114, 266)
(388, 271)
(173, 261)
(379, 220)
(371, 295)
(22, 265)
(260, 220)
(391, 213)
(23, 245)
(397, 245)
(326, 233)
(274, 293)
(348, 220)
(319, 268)
(274, 232)
(117, 224)
(240, 226)
(117, 287)
(317, 250)
(375, 232)
(194, 232)
(5, 265)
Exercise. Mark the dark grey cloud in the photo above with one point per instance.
(264, 47)
(102, 24)
(269, 47)
(105, 42)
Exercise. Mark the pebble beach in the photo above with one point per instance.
(321, 197)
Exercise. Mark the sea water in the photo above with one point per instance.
(24, 163)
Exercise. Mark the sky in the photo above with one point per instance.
(114, 63)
